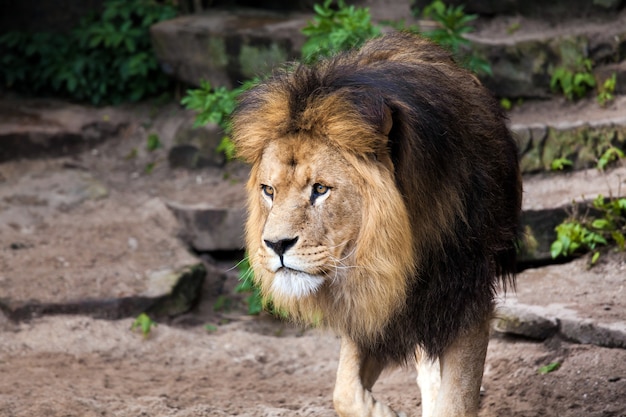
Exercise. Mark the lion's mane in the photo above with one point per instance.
(431, 248)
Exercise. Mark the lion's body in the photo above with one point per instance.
(384, 197)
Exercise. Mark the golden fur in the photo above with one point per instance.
(383, 200)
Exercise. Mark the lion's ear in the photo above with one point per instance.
(378, 113)
(387, 121)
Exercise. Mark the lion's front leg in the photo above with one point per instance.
(355, 377)
(460, 376)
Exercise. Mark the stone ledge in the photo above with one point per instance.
(540, 323)
(206, 228)
(572, 301)
(37, 128)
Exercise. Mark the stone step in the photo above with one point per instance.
(579, 131)
(580, 304)
(561, 9)
(54, 128)
(548, 199)
(523, 52)
(227, 47)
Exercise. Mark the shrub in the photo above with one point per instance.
(107, 59)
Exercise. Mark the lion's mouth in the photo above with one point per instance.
(295, 284)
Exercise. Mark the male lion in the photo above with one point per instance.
(384, 198)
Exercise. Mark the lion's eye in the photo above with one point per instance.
(319, 189)
(268, 190)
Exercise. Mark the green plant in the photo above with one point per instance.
(549, 368)
(144, 323)
(153, 142)
(454, 23)
(581, 234)
(573, 237)
(215, 105)
(336, 29)
(575, 83)
(506, 104)
(107, 58)
(559, 164)
(612, 154)
(247, 285)
(606, 91)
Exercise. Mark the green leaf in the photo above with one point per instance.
(549, 368)
(556, 249)
(600, 224)
(595, 257)
(153, 142)
(145, 323)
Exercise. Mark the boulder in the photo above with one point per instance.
(523, 53)
(557, 8)
(196, 147)
(227, 47)
(206, 228)
(580, 304)
(38, 128)
(580, 132)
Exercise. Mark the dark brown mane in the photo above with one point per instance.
(455, 165)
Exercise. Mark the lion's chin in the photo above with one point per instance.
(289, 283)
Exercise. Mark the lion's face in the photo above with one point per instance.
(311, 216)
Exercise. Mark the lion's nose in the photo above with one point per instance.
(281, 246)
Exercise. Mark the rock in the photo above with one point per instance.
(580, 132)
(523, 60)
(524, 320)
(589, 332)
(559, 8)
(38, 128)
(538, 233)
(182, 289)
(581, 304)
(207, 228)
(549, 199)
(227, 47)
(196, 147)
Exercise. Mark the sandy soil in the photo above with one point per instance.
(247, 366)
(78, 366)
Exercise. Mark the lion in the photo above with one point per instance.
(384, 197)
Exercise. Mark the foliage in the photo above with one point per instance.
(255, 301)
(246, 284)
(574, 237)
(215, 105)
(585, 233)
(107, 58)
(453, 24)
(144, 323)
(549, 368)
(606, 91)
(153, 142)
(559, 164)
(336, 29)
(610, 155)
(575, 83)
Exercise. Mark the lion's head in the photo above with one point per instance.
(328, 233)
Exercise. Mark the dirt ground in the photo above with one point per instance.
(241, 365)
